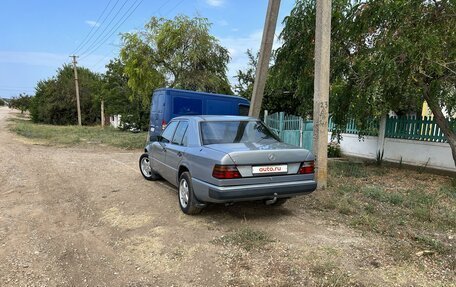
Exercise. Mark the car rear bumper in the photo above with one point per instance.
(219, 194)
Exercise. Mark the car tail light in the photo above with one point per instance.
(163, 125)
(307, 167)
(225, 172)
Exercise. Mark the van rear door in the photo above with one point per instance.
(156, 114)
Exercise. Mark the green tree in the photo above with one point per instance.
(2, 102)
(293, 70)
(120, 98)
(409, 56)
(385, 55)
(55, 101)
(275, 99)
(22, 102)
(116, 91)
(246, 78)
(178, 53)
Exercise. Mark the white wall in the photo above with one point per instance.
(419, 153)
(436, 155)
(351, 145)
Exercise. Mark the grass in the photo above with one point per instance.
(74, 135)
(327, 273)
(377, 193)
(410, 208)
(348, 169)
(245, 238)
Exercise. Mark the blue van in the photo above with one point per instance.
(169, 103)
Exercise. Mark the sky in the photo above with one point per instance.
(37, 37)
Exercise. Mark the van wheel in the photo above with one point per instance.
(187, 200)
(145, 168)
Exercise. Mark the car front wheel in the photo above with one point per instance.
(187, 200)
(146, 169)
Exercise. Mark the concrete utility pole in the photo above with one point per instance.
(265, 55)
(321, 90)
(102, 114)
(76, 82)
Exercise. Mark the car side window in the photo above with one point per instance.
(168, 133)
(180, 132)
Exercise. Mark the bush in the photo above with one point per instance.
(334, 149)
(2, 102)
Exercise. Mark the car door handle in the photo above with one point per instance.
(179, 154)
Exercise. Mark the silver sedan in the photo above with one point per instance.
(224, 159)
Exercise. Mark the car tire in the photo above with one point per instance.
(186, 197)
(279, 202)
(145, 168)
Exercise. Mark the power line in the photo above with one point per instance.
(105, 28)
(107, 37)
(100, 62)
(175, 6)
(116, 27)
(86, 38)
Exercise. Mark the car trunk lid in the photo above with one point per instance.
(262, 154)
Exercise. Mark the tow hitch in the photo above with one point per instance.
(271, 201)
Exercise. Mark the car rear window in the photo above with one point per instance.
(168, 133)
(221, 132)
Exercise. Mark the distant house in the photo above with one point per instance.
(115, 121)
(426, 112)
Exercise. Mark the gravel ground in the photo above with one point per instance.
(85, 217)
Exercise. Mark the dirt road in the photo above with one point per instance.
(85, 217)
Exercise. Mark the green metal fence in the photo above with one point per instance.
(291, 129)
(294, 130)
(416, 128)
(371, 127)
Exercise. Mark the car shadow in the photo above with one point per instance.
(239, 210)
(245, 210)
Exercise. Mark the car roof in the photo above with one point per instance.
(201, 118)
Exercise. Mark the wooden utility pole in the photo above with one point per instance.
(321, 90)
(76, 82)
(265, 55)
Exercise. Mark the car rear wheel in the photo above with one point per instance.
(145, 168)
(187, 200)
